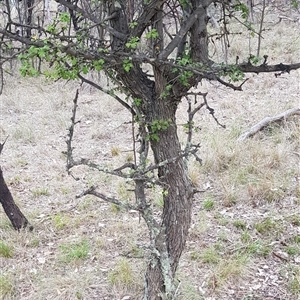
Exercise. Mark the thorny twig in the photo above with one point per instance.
(70, 160)
(230, 85)
(92, 191)
(190, 125)
(212, 112)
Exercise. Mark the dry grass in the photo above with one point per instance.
(244, 240)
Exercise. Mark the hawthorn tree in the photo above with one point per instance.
(155, 53)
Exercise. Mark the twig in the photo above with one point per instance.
(98, 87)
(70, 160)
(191, 114)
(170, 160)
(212, 112)
(127, 165)
(92, 191)
(279, 256)
(230, 85)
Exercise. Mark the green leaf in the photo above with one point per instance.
(133, 24)
(133, 43)
(137, 101)
(64, 17)
(98, 64)
(152, 34)
(51, 29)
(127, 64)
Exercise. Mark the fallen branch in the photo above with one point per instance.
(267, 121)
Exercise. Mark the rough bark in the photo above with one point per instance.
(176, 216)
(171, 234)
(13, 212)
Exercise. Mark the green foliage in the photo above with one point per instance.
(184, 75)
(133, 24)
(243, 8)
(27, 69)
(64, 17)
(210, 256)
(127, 64)
(240, 224)
(294, 282)
(233, 73)
(133, 42)
(152, 34)
(295, 4)
(40, 192)
(297, 239)
(5, 250)
(185, 3)
(51, 29)
(75, 251)
(254, 59)
(293, 250)
(267, 226)
(166, 91)
(137, 101)
(208, 202)
(122, 275)
(60, 221)
(184, 60)
(6, 287)
(258, 248)
(98, 64)
(155, 127)
(294, 219)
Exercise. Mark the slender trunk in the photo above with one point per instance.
(168, 238)
(176, 216)
(13, 212)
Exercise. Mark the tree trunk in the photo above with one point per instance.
(171, 234)
(13, 212)
(176, 217)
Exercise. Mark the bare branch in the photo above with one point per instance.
(264, 68)
(212, 112)
(171, 160)
(97, 86)
(230, 85)
(190, 125)
(122, 204)
(70, 160)
(182, 32)
(90, 17)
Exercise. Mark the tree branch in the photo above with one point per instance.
(97, 21)
(97, 86)
(122, 204)
(181, 33)
(265, 68)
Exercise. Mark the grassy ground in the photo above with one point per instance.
(244, 241)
